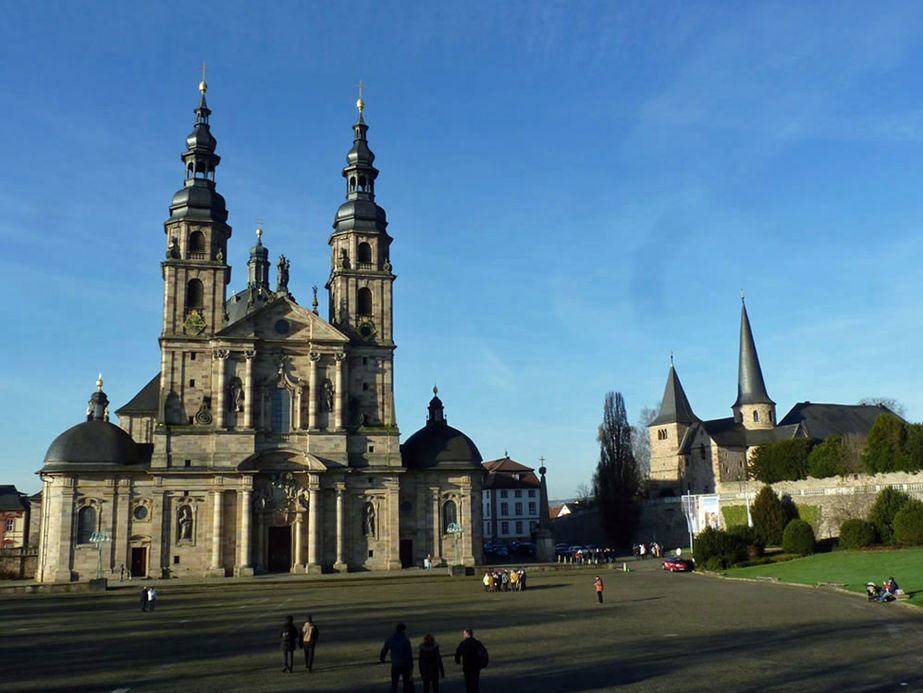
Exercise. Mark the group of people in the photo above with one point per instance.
(652, 550)
(306, 639)
(148, 598)
(886, 593)
(504, 580)
(593, 556)
(470, 654)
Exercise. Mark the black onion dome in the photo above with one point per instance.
(438, 445)
(94, 442)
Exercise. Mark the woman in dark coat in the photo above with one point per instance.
(431, 669)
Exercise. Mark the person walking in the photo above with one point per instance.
(401, 658)
(289, 636)
(472, 655)
(144, 599)
(430, 663)
(151, 598)
(309, 635)
(599, 588)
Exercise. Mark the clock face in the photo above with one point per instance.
(366, 330)
(195, 323)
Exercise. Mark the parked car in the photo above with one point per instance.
(500, 549)
(678, 565)
(525, 548)
(560, 548)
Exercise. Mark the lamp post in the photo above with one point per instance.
(99, 538)
(455, 528)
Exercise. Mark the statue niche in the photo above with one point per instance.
(184, 521)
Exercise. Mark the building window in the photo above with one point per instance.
(449, 516)
(519, 508)
(517, 493)
(281, 419)
(364, 253)
(532, 525)
(10, 525)
(504, 528)
(86, 524)
(194, 294)
(364, 301)
(487, 510)
(756, 415)
(486, 529)
(519, 527)
(196, 242)
(531, 508)
(532, 493)
(503, 493)
(504, 508)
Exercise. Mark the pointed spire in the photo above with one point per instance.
(750, 386)
(198, 198)
(674, 408)
(360, 211)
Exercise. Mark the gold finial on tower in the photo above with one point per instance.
(259, 227)
(203, 87)
(99, 382)
(360, 104)
(435, 389)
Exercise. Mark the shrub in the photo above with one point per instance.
(750, 538)
(908, 524)
(798, 538)
(887, 503)
(769, 516)
(857, 534)
(716, 547)
(783, 460)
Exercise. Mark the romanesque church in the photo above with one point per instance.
(268, 440)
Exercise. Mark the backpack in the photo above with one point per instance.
(286, 635)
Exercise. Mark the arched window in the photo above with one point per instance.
(365, 301)
(281, 419)
(352, 184)
(194, 294)
(86, 524)
(756, 415)
(449, 515)
(361, 183)
(364, 253)
(196, 242)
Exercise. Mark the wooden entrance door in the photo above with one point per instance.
(279, 555)
(406, 553)
(139, 561)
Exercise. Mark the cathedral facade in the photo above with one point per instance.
(268, 440)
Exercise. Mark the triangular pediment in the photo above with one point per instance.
(284, 320)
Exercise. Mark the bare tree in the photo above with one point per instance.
(584, 493)
(888, 402)
(641, 441)
(616, 482)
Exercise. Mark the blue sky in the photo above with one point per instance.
(574, 190)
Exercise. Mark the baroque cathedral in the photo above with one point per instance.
(267, 442)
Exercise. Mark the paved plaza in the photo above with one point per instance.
(655, 632)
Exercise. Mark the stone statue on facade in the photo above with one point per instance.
(185, 524)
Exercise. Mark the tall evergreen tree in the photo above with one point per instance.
(616, 481)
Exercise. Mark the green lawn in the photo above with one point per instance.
(851, 568)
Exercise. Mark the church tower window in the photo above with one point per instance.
(364, 254)
(756, 415)
(196, 242)
(86, 524)
(365, 301)
(194, 294)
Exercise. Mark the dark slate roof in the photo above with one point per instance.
(147, 401)
(821, 420)
(241, 304)
(750, 386)
(11, 499)
(94, 444)
(439, 445)
(728, 433)
(675, 406)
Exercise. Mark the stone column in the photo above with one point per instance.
(42, 534)
(120, 528)
(297, 565)
(249, 395)
(244, 495)
(313, 566)
(313, 393)
(219, 374)
(339, 401)
(296, 405)
(60, 536)
(437, 525)
(216, 568)
(159, 529)
(389, 529)
(340, 564)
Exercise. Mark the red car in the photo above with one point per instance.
(678, 565)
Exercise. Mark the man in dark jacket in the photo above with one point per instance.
(472, 655)
(401, 658)
(289, 638)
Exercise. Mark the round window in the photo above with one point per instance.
(140, 512)
(283, 326)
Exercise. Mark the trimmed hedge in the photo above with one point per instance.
(857, 534)
(798, 537)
